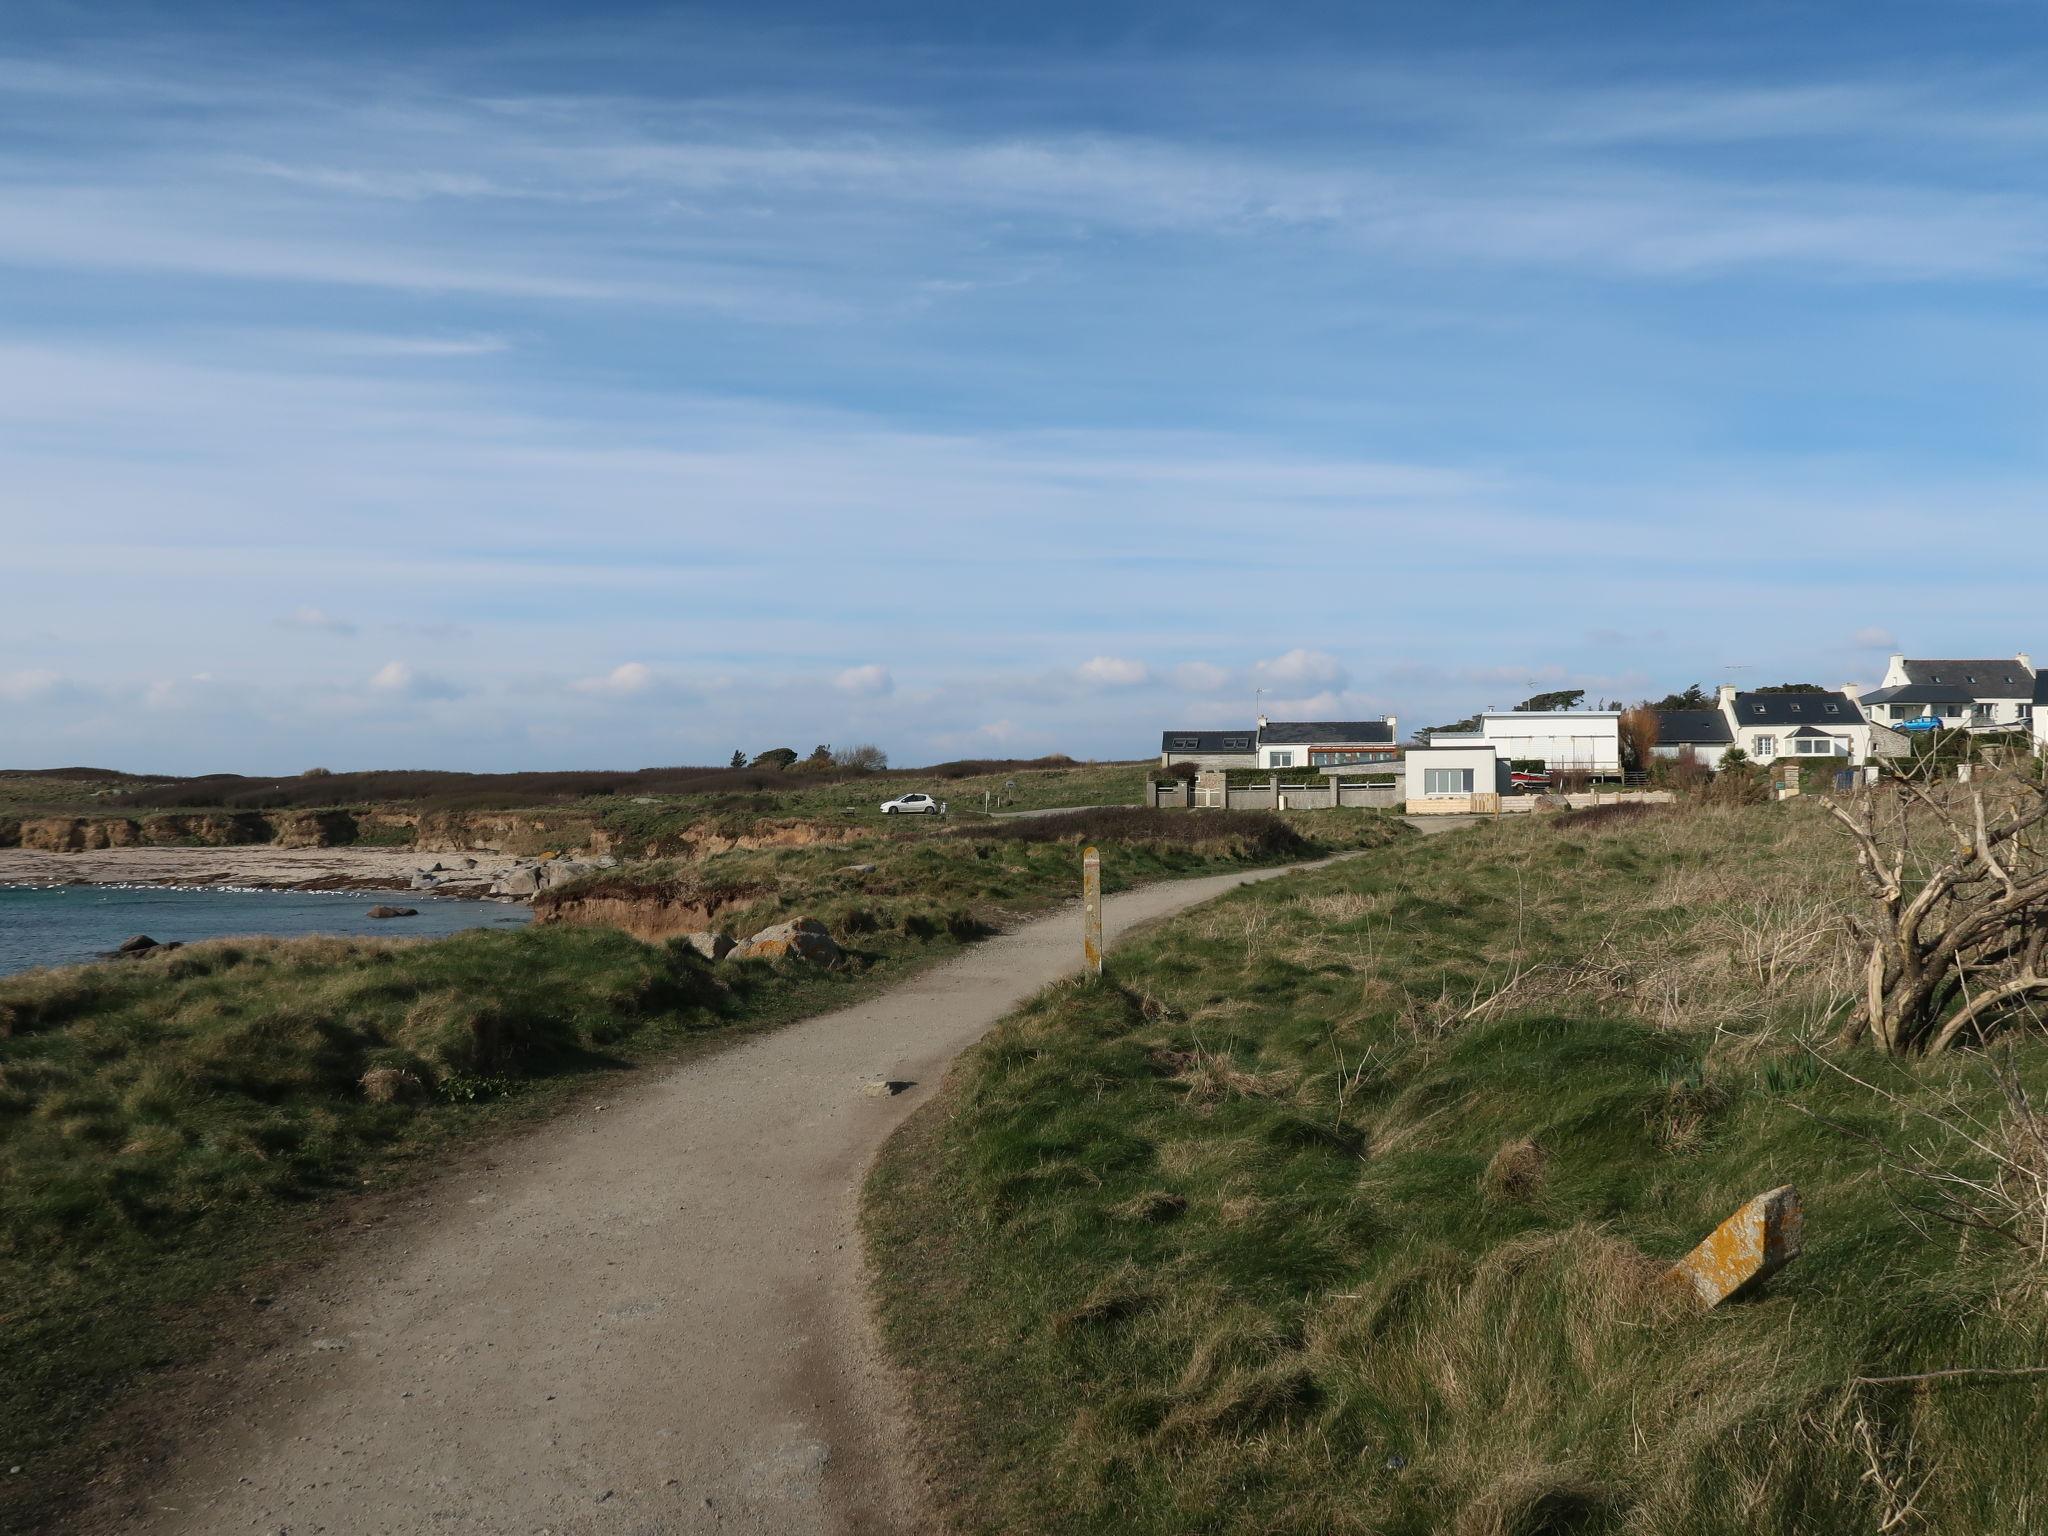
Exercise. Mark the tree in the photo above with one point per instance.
(1638, 738)
(1694, 697)
(820, 758)
(1961, 948)
(739, 760)
(776, 757)
(1548, 703)
(863, 758)
(1792, 688)
(1469, 723)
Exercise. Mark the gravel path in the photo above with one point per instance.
(646, 1317)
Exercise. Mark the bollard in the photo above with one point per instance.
(1749, 1247)
(1091, 912)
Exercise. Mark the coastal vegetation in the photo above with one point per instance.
(1342, 1205)
(170, 1126)
(628, 814)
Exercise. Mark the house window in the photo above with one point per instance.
(1282, 760)
(1447, 781)
(1339, 757)
(1185, 743)
(2025, 712)
(1237, 743)
(1810, 748)
(1766, 746)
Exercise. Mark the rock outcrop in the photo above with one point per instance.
(801, 938)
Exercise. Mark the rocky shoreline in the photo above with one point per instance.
(264, 866)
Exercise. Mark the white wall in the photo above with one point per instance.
(1587, 739)
(1854, 739)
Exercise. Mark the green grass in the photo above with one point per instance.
(927, 877)
(1339, 1205)
(170, 1126)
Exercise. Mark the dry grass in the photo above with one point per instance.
(1397, 1154)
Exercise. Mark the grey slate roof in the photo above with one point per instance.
(1343, 733)
(1999, 678)
(1808, 733)
(1693, 728)
(1920, 693)
(1208, 741)
(1831, 708)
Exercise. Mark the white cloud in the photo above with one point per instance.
(397, 679)
(1874, 638)
(1300, 666)
(872, 679)
(628, 677)
(1113, 672)
(316, 619)
(27, 687)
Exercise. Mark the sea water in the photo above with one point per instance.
(64, 924)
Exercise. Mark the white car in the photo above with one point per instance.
(911, 805)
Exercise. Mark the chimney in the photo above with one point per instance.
(1262, 722)
(1853, 692)
(2024, 660)
(1393, 734)
(1725, 697)
(1895, 668)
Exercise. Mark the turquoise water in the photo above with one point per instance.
(64, 924)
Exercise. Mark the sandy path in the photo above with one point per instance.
(645, 1317)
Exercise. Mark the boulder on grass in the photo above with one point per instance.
(712, 946)
(393, 912)
(135, 944)
(801, 938)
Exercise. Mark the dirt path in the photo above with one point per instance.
(647, 1317)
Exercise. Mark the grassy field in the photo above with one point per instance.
(1340, 1204)
(167, 1127)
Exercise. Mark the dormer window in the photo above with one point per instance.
(1795, 709)
(1758, 708)
(1834, 709)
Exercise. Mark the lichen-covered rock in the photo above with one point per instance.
(801, 938)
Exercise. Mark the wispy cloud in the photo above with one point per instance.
(316, 619)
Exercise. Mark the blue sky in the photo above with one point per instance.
(525, 386)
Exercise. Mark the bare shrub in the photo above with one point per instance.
(1960, 883)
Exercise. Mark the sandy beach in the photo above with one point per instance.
(255, 865)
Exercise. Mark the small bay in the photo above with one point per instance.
(67, 924)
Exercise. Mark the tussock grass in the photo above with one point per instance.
(1339, 1206)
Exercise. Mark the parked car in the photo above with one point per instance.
(911, 805)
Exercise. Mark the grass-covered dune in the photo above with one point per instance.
(1340, 1205)
(171, 1125)
(921, 878)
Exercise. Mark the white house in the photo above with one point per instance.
(1588, 740)
(1823, 726)
(1453, 778)
(1209, 749)
(1327, 743)
(1705, 733)
(1975, 695)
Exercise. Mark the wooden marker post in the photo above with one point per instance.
(1091, 912)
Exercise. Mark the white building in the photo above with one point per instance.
(1327, 743)
(1449, 778)
(1586, 740)
(1823, 726)
(1979, 695)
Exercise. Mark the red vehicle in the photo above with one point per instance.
(1529, 778)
